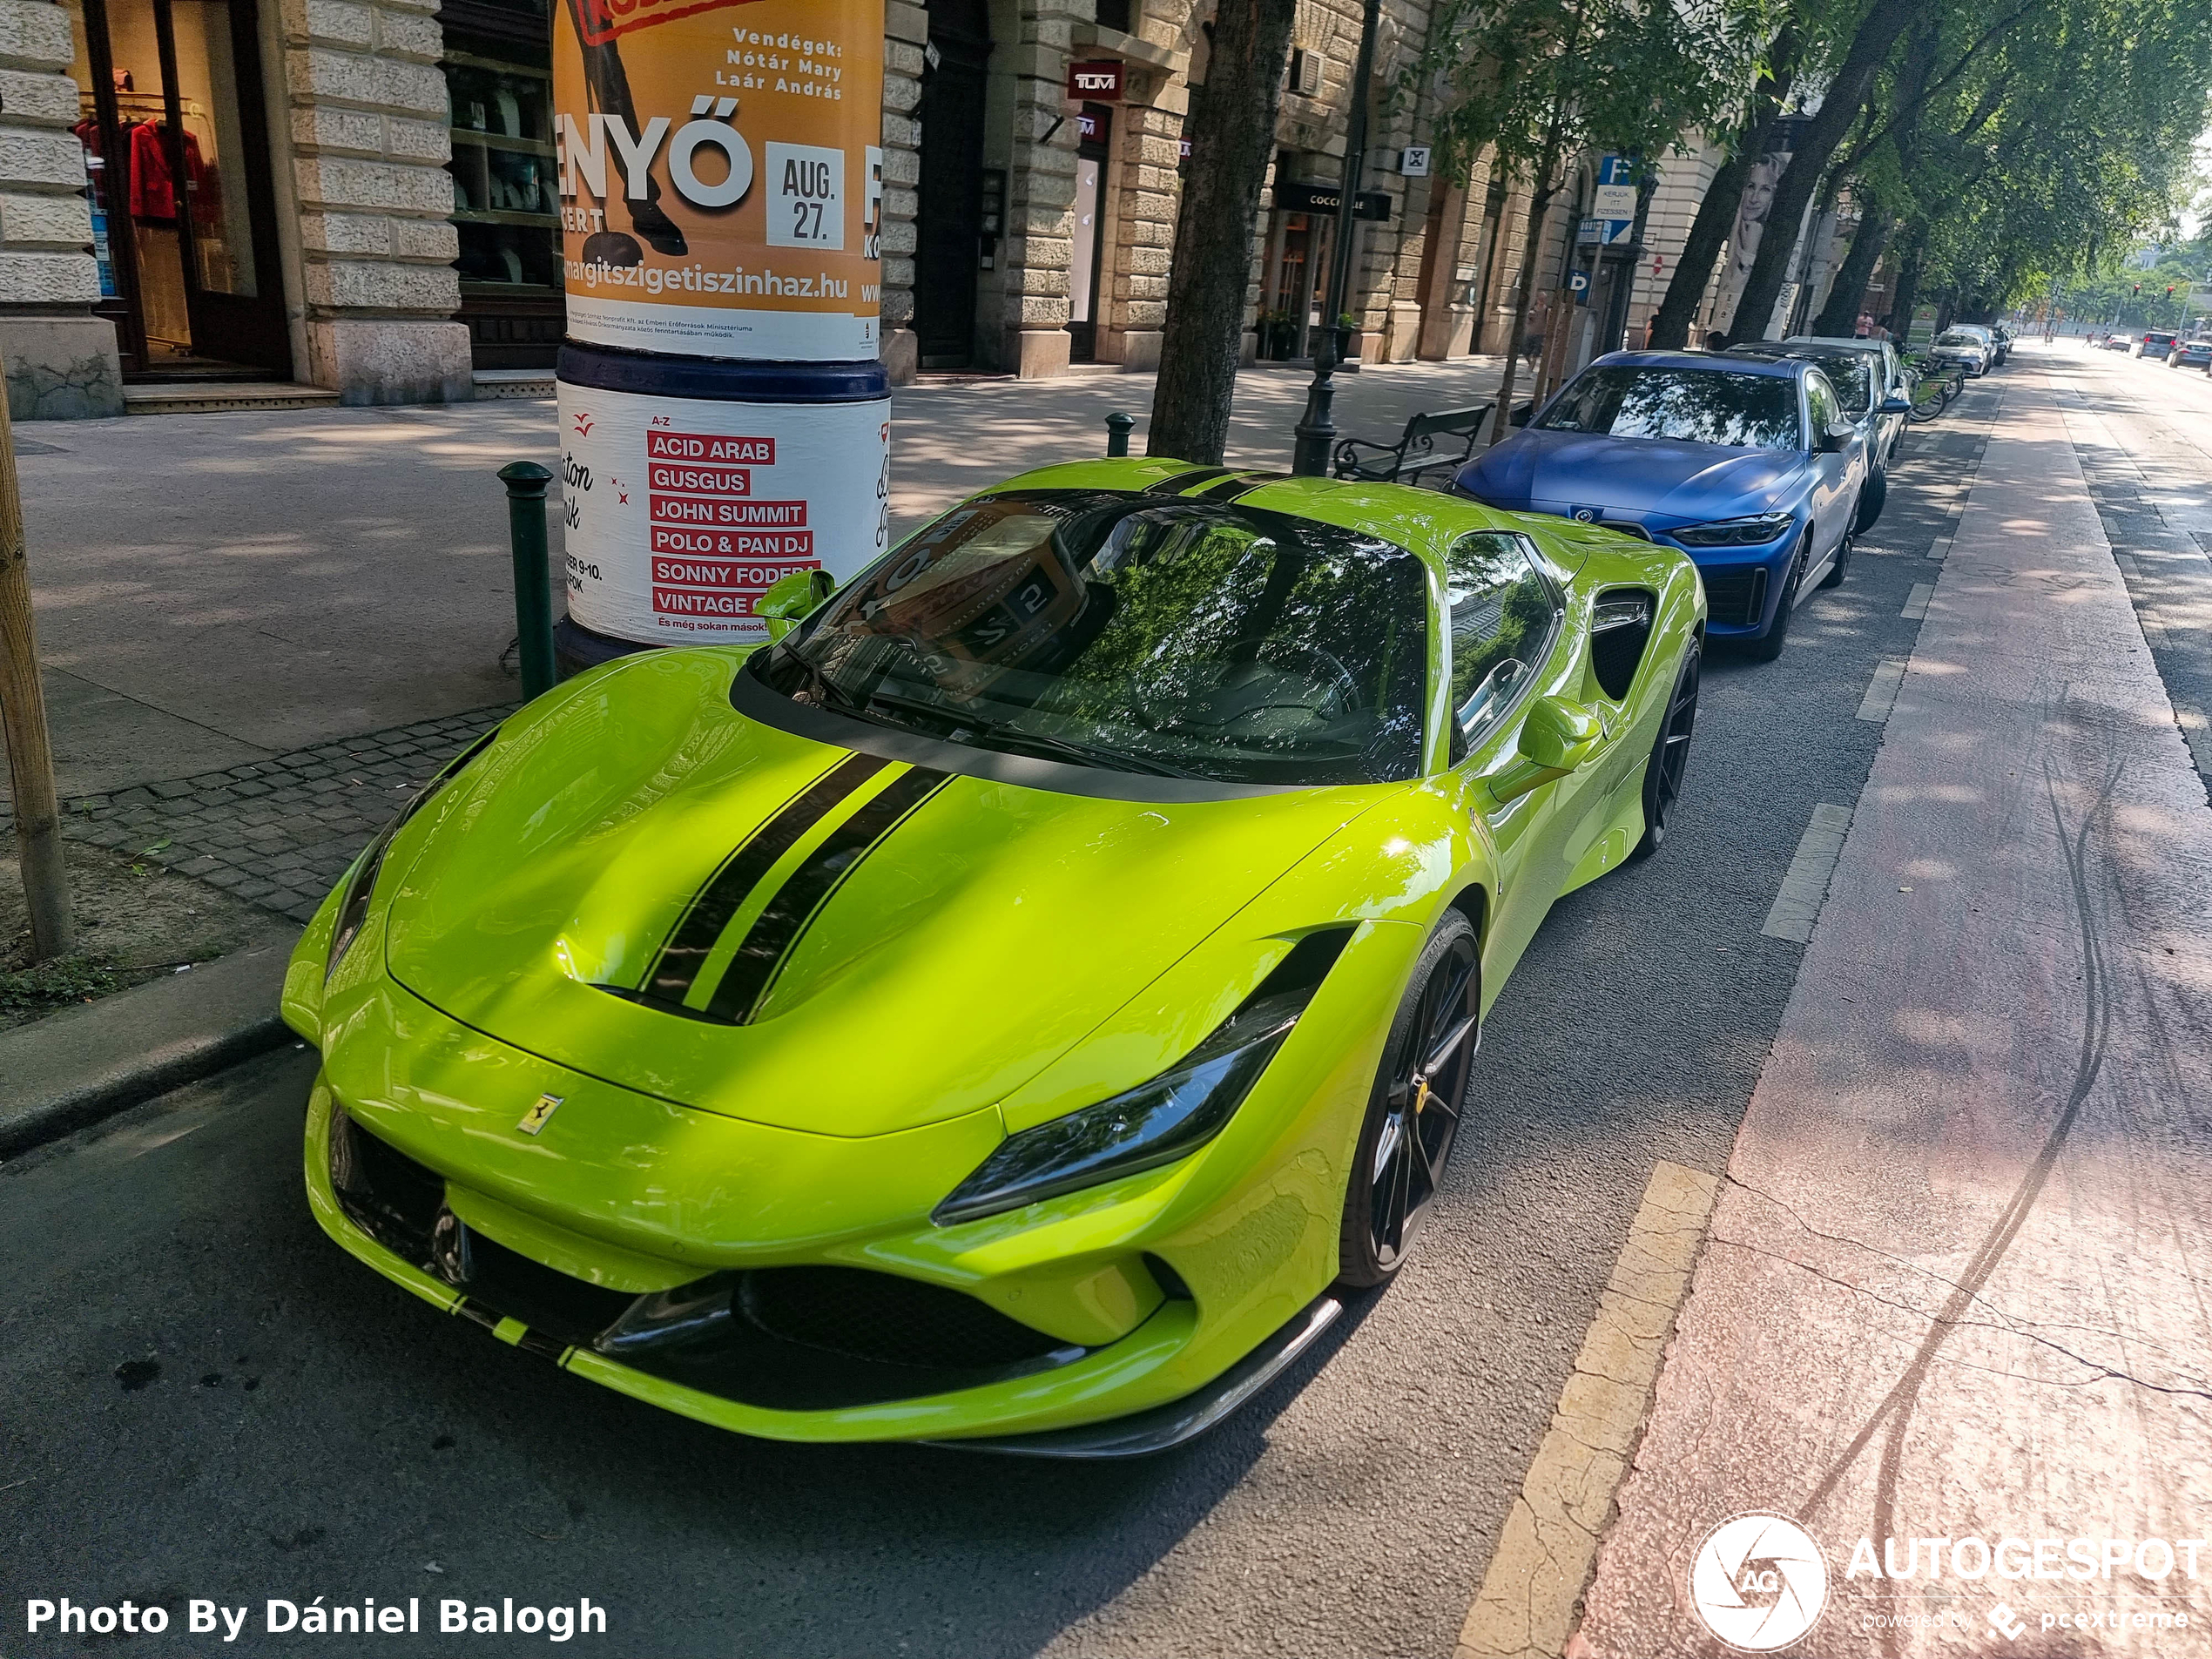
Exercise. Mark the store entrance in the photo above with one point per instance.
(1093, 145)
(176, 162)
(950, 230)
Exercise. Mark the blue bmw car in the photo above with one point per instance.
(1750, 467)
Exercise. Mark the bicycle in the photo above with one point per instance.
(1934, 389)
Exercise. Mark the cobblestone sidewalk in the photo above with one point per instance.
(280, 832)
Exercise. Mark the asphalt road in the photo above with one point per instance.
(205, 1399)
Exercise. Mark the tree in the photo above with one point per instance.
(1716, 218)
(1846, 93)
(1232, 135)
(1537, 82)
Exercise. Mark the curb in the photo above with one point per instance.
(75, 1068)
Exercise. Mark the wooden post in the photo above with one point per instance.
(23, 719)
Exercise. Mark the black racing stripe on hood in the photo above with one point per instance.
(1242, 483)
(689, 947)
(1176, 483)
(769, 940)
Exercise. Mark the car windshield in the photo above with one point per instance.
(1693, 405)
(1957, 337)
(1847, 372)
(1115, 630)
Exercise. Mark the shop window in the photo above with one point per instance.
(499, 85)
(176, 160)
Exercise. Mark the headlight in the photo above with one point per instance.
(1156, 1123)
(1734, 532)
(353, 908)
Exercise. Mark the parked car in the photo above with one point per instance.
(1868, 403)
(1750, 467)
(1966, 348)
(2119, 342)
(1024, 1000)
(2191, 353)
(1896, 380)
(2002, 336)
(2156, 342)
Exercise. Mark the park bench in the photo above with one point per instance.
(1416, 450)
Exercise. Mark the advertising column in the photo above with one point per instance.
(723, 418)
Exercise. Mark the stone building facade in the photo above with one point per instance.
(356, 199)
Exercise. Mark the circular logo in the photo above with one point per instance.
(1759, 1582)
(1585, 514)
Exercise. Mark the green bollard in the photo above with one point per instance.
(1118, 427)
(526, 481)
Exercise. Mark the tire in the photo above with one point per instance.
(1842, 566)
(1413, 1112)
(1872, 500)
(1663, 773)
(1768, 645)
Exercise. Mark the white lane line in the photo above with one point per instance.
(1804, 889)
(1916, 602)
(1882, 690)
(1542, 1560)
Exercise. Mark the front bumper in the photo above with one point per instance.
(1157, 1289)
(1058, 1391)
(1743, 585)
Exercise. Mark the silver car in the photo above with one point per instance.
(1963, 346)
(1893, 380)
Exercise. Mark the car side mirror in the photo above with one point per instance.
(1894, 404)
(1833, 442)
(1556, 737)
(789, 599)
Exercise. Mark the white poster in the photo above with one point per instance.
(680, 511)
(1743, 238)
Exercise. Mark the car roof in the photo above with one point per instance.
(1708, 363)
(1803, 351)
(1846, 342)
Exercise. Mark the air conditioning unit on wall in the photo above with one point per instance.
(1305, 73)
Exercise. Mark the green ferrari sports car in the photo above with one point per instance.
(1017, 1004)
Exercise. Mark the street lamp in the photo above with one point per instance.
(1316, 432)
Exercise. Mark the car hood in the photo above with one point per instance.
(959, 951)
(1559, 472)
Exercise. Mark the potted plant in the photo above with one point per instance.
(1348, 333)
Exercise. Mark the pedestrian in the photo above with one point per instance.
(1866, 329)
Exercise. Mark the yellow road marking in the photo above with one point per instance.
(1526, 1608)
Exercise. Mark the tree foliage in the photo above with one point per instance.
(1536, 83)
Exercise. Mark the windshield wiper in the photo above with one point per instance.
(827, 689)
(1016, 736)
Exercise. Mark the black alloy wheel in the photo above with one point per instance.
(1768, 645)
(1414, 1114)
(1872, 500)
(1844, 549)
(1662, 774)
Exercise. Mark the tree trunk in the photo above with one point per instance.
(1846, 94)
(1908, 287)
(1532, 248)
(1840, 314)
(1716, 218)
(1232, 133)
